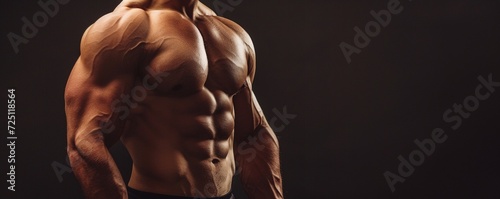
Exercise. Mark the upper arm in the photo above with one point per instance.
(110, 54)
(248, 114)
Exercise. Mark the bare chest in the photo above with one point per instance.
(189, 56)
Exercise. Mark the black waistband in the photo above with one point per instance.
(136, 194)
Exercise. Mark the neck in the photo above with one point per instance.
(187, 7)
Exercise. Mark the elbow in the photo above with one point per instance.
(73, 156)
(262, 145)
(267, 136)
(84, 145)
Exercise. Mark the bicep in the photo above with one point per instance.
(248, 113)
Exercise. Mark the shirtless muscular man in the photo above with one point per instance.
(183, 135)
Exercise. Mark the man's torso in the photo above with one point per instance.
(180, 134)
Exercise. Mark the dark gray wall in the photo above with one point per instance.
(352, 120)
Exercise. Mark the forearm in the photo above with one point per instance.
(95, 169)
(258, 158)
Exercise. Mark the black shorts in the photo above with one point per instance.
(136, 194)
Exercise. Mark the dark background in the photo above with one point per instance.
(353, 120)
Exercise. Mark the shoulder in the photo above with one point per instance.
(236, 28)
(245, 37)
(119, 24)
(205, 10)
(119, 31)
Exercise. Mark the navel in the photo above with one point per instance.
(215, 161)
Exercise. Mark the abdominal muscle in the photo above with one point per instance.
(182, 146)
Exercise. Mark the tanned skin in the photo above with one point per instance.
(188, 132)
